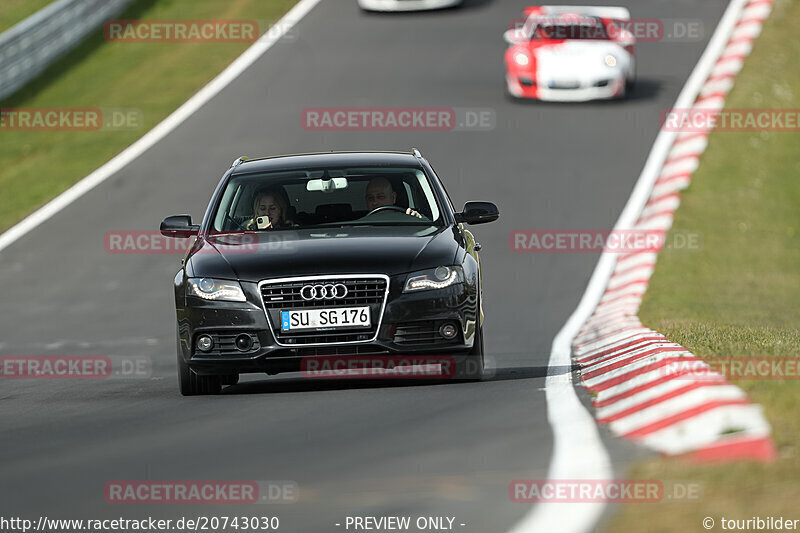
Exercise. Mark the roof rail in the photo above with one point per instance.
(416, 153)
(238, 161)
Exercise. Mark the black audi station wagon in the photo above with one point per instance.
(344, 254)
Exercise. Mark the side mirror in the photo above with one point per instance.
(478, 213)
(179, 226)
(514, 36)
(625, 38)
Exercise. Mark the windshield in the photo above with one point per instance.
(584, 28)
(327, 197)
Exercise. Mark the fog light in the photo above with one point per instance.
(448, 331)
(244, 342)
(205, 343)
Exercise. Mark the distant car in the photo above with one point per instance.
(570, 54)
(334, 276)
(406, 5)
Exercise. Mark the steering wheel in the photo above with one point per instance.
(236, 222)
(384, 208)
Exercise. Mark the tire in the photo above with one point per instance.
(629, 85)
(471, 367)
(230, 379)
(191, 384)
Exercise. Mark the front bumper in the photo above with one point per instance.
(525, 86)
(408, 326)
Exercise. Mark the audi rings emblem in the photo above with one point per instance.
(323, 292)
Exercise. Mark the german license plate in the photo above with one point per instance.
(564, 84)
(341, 317)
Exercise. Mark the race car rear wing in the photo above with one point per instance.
(617, 13)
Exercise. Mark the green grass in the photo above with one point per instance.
(740, 295)
(154, 78)
(13, 11)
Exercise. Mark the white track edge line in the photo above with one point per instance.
(162, 129)
(575, 434)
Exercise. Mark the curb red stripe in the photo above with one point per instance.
(662, 213)
(633, 373)
(675, 159)
(644, 386)
(679, 417)
(663, 198)
(632, 359)
(606, 335)
(622, 350)
(630, 350)
(690, 136)
(617, 349)
(734, 449)
(645, 266)
(672, 177)
(640, 281)
(615, 345)
(655, 401)
(751, 20)
(717, 94)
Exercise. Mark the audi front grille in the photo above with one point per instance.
(290, 294)
(325, 292)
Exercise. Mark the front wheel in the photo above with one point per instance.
(471, 367)
(630, 84)
(191, 384)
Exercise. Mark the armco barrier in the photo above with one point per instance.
(29, 47)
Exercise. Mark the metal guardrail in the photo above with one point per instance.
(30, 46)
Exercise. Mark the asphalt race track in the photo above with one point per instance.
(432, 449)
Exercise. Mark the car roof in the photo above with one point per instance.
(326, 160)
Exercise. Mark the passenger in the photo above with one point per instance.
(272, 205)
(381, 194)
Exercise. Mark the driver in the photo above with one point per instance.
(381, 194)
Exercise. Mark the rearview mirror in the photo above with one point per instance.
(478, 213)
(329, 185)
(179, 226)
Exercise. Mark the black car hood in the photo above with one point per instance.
(355, 250)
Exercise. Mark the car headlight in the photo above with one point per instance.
(522, 58)
(435, 278)
(216, 289)
(610, 60)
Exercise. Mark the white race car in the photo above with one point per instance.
(406, 5)
(570, 54)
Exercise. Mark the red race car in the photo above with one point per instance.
(570, 54)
